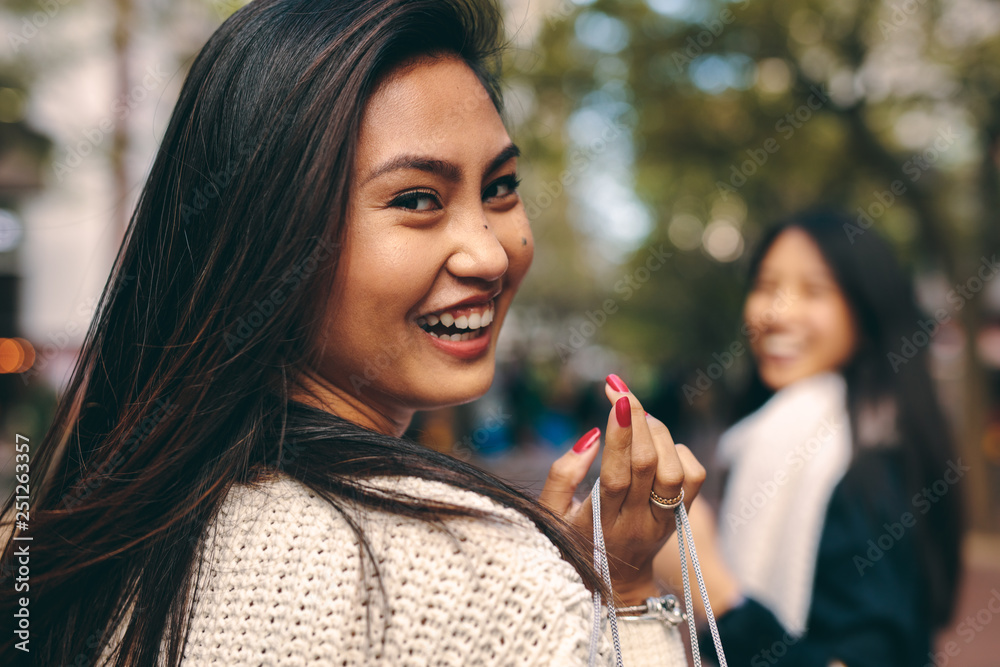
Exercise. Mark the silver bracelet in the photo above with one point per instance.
(665, 608)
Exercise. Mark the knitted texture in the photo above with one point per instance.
(651, 643)
(282, 585)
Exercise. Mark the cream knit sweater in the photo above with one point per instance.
(281, 585)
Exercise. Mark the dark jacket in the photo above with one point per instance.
(868, 607)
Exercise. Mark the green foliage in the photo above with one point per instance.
(747, 112)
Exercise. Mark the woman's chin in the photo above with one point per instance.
(777, 376)
(458, 390)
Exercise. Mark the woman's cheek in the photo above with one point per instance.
(752, 316)
(520, 247)
(527, 251)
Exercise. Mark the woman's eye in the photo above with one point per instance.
(416, 200)
(503, 187)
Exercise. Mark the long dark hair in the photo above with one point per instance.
(879, 377)
(211, 314)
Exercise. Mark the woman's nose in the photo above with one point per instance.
(478, 252)
(784, 306)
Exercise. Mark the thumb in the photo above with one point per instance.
(568, 471)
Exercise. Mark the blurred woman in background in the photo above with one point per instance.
(839, 529)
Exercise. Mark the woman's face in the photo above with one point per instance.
(799, 320)
(436, 245)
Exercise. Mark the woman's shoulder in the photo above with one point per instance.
(280, 509)
(285, 574)
(280, 525)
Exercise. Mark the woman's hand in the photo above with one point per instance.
(639, 457)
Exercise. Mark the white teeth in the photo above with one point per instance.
(473, 321)
(782, 345)
(433, 334)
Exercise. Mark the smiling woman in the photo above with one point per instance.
(435, 247)
(828, 550)
(354, 265)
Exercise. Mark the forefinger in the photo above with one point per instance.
(629, 461)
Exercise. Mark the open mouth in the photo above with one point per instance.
(784, 346)
(458, 323)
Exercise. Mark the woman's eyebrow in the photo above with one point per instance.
(510, 151)
(447, 170)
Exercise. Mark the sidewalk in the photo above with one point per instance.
(974, 637)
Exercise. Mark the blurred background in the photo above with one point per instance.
(659, 137)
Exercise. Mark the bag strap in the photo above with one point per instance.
(684, 530)
(601, 565)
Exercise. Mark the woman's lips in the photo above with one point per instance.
(470, 348)
(782, 345)
(463, 331)
(782, 349)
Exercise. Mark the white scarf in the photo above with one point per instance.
(785, 460)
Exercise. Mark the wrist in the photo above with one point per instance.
(635, 592)
(665, 608)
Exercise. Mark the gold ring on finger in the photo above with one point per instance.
(666, 504)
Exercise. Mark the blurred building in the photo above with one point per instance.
(22, 156)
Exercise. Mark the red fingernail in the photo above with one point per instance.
(616, 383)
(623, 412)
(587, 441)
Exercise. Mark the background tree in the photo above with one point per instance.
(740, 113)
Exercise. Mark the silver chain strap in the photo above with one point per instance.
(601, 565)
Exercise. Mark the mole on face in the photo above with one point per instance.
(524, 240)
